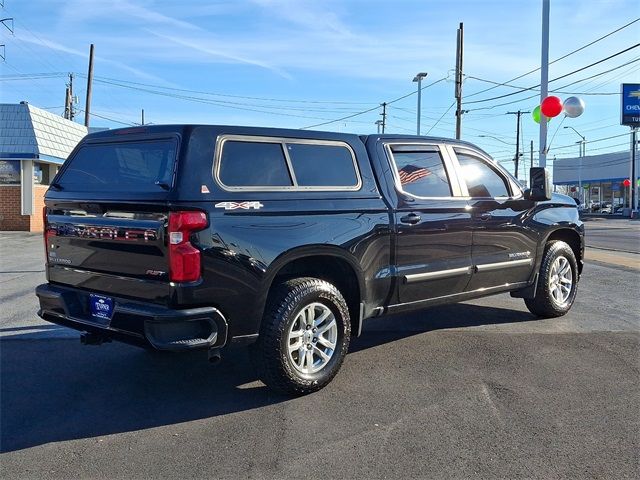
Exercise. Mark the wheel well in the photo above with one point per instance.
(334, 270)
(573, 240)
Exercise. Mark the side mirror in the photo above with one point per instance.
(540, 185)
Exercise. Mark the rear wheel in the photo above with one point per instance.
(557, 282)
(304, 336)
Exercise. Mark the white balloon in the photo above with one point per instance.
(573, 107)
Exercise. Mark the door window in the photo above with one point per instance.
(481, 179)
(421, 172)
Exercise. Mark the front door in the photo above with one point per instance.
(503, 249)
(433, 234)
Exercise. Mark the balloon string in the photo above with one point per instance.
(554, 133)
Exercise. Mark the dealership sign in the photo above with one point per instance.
(630, 113)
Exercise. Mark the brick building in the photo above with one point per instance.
(33, 145)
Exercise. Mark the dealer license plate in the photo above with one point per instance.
(101, 308)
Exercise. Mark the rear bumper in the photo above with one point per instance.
(137, 323)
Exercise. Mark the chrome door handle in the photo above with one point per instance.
(411, 218)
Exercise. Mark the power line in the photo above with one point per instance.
(43, 42)
(560, 58)
(537, 90)
(415, 91)
(597, 140)
(376, 107)
(554, 90)
(220, 103)
(31, 76)
(104, 117)
(217, 94)
(557, 78)
(443, 115)
(224, 103)
(341, 119)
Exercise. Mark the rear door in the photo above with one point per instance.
(503, 249)
(433, 235)
(107, 214)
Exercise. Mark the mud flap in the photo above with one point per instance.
(527, 292)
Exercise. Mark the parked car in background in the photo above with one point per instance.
(606, 208)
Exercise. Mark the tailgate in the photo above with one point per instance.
(122, 243)
(122, 253)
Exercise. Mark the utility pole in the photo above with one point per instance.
(518, 114)
(87, 106)
(70, 111)
(384, 116)
(459, 56)
(544, 81)
(531, 153)
(67, 103)
(142, 117)
(378, 124)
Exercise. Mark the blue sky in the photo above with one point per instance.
(298, 63)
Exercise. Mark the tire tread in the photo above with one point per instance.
(267, 353)
(542, 305)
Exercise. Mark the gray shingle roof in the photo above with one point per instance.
(31, 130)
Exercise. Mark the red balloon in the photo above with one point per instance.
(551, 107)
(626, 182)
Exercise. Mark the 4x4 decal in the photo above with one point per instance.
(241, 205)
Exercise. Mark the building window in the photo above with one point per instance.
(9, 172)
(41, 174)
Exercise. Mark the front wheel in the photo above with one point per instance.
(557, 282)
(304, 336)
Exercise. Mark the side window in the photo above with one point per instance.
(481, 179)
(421, 172)
(253, 164)
(322, 165)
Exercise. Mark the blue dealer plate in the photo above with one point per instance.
(101, 308)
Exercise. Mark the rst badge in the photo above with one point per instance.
(239, 205)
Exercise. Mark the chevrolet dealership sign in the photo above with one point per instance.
(630, 113)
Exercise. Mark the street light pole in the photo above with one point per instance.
(496, 138)
(544, 81)
(583, 152)
(418, 78)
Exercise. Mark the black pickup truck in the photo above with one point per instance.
(195, 237)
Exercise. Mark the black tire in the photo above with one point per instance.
(270, 353)
(544, 304)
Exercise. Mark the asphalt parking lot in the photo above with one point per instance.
(476, 390)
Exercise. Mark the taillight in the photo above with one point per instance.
(184, 258)
(47, 234)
